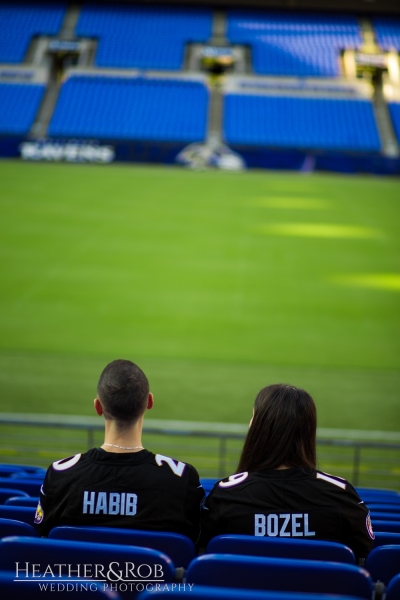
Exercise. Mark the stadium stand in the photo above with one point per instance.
(387, 31)
(31, 589)
(178, 547)
(394, 109)
(219, 593)
(284, 121)
(131, 108)
(383, 538)
(6, 493)
(19, 103)
(12, 527)
(393, 589)
(142, 37)
(19, 21)
(255, 572)
(22, 501)
(283, 548)
(383, 563)
(294, 43)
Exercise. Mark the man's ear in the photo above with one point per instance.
(150, 401)
(98, 407)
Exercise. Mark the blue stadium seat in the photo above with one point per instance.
(254, 572)
(384, 515)
(7, 470)
(393, 589)
(43, 552)
(208, 483)
(178, 547)
(384, 525)
(383, 563)
(387, 31)
(18, 513)
(137, 36)
(279, 121)
(29, 486)
(386, 508)
(306, 45)
(131, 108)
(19, 21)
(27, 501)
(200, 592)
(29, 469)
(11, 527)
(301, 549)
(6, 493)
(394, 109)
(30, 589)
(383, 538)
(19, 103)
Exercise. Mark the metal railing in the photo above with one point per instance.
(366, 458)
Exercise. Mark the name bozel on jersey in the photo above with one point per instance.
(282, 525)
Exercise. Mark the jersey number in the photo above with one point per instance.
(176, 468)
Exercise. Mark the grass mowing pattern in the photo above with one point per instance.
(189, 275)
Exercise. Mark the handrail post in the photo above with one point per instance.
(222, 456)
(356, 463)
(90, 438)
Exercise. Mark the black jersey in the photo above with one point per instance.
(138, 490)
(293, 503)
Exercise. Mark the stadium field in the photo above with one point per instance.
(215, 283)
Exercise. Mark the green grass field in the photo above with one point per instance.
(215, 283)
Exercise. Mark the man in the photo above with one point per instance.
(121, 484)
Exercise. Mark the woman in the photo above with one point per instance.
(277, 491)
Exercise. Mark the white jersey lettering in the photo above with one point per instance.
(282, 525)
(109, 503)
(259, 525)
(331, 480)
(283, 532)
(234, 480)
(176, 467)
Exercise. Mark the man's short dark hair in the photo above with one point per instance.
(123, 390)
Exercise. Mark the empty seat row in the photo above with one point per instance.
(387, 31)
(20, 21)
(237, 571)
(279, 121)
(136, 36)
(19, 104)
(135, 108)
(294, 43)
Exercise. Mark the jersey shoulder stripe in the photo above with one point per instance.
(332, 479)
(66, 463)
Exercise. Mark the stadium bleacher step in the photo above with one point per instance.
(70, 21)
(390, 146)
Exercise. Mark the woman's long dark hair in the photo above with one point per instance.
(283, 431)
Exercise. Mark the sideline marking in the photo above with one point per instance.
(287, 202)
(377, 281)
(320, 230)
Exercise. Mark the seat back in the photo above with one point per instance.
(379, 507)
(178, 547)
(385, 525)
(274, 547)
(30, 486)
(383, 538)
(31, 589)
(384, 515)
(27, 501)
(253, 572)
(393, 589)
(384, 563)
(18, 513)
(10, 527)
(201, 592)
(107, 563)
(8, 492)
